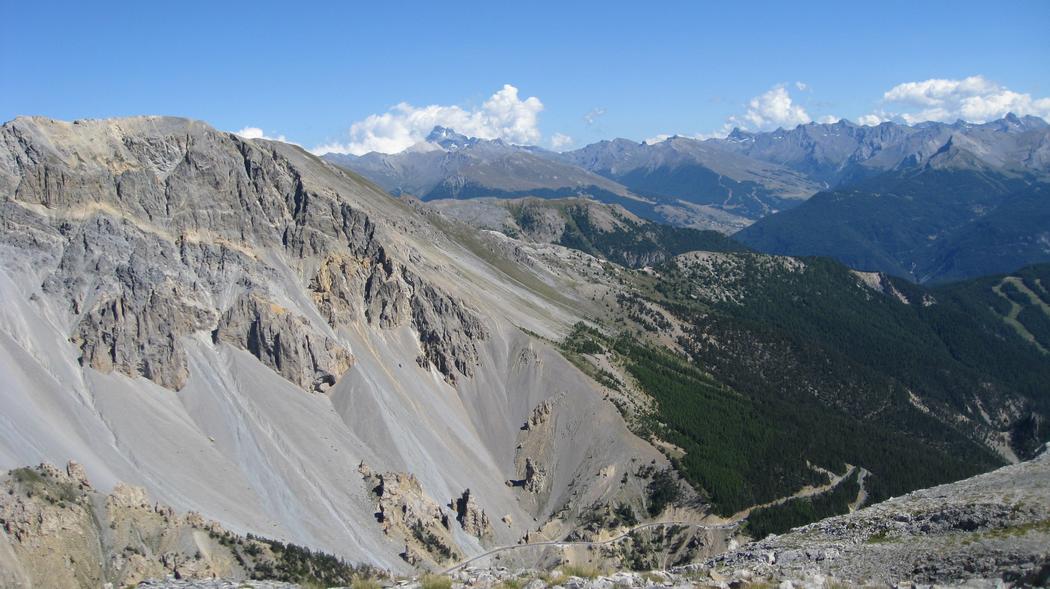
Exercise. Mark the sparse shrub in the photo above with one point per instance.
(553, 579)
(433, 544)
(27, 476)
(878, 538)
(625, 514)
(663, 491)
(435, 582)
(580, 570)
(364, 583)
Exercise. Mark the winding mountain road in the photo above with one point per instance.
(734, 522)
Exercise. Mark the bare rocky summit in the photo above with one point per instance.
(195, 211)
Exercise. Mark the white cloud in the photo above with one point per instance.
(802, 86)
(250, 133)
(769, 110)
(719, 134)
(975, 99)
(257, 133)
(593, 115)
(829, 119)
(773, 109)
(873, 119)
(560, 141)
(503, 116)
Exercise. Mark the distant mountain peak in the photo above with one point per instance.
(1034, 122)
(738, 134)
(957, 152)
(1012, 122)
(449, 138)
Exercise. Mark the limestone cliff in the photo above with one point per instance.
(157, 235)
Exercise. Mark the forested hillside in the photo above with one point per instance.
(786, 365)
(927, 225)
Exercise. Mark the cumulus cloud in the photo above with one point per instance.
(504, 115)
(829, 119)
(593, 115)
(975, 99)
(257, 133)
(769, 110)
(772, 109)
(560, 141)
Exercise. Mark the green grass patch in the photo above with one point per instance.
(364, 583)
(1016, 531)
(879, 538)
(27, 476)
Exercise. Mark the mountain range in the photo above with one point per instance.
(254, 334)
(880, 198)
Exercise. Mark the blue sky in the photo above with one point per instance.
(597, 70)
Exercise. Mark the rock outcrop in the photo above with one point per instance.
(540, 415)
(535, 476)
(447, 329)
(407, 514)
(285, 342)
(76, 472)
(57, 533)
(471, 517)
(389, 295)
(535, 449)
(139, 335)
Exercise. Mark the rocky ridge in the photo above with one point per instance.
(608, 231)
(992, 526)
(174, 265)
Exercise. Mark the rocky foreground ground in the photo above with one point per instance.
(992, 526)
(992, 530)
